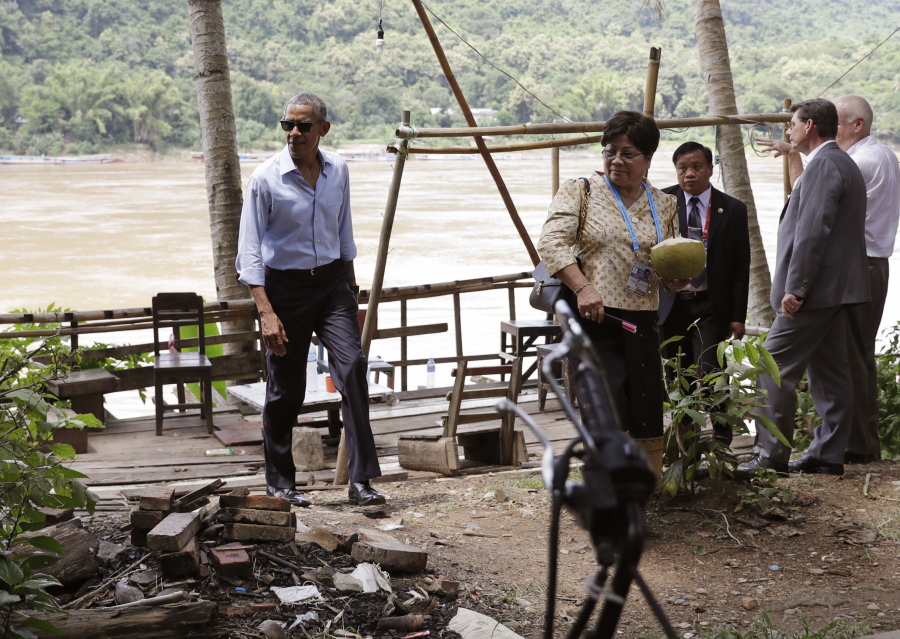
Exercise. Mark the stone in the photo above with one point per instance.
(322, 537)
(370, 534)
(346, 583)
(347, 539)
(109, 552)
(249, 516)
(174, 532)
(256, 532)
(749, 603)
(444, 587)
(144, 578)
(234, 562)
(53, 516)
(504, 493)
(255, 502)
(306, 449)
(272, 629)
(391, 557)
(157, 498)
(126, 593)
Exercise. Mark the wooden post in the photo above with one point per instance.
(554, 171)
(404, 370)
(784, 158)
(479, 141)
(457, 322)
(652, 77)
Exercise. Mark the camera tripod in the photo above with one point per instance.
(610, 500)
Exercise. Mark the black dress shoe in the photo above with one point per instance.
(811, 465)
(755, 464)
(857, 458)
(291, 494)
(361, 493)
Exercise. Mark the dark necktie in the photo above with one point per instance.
(695, 232)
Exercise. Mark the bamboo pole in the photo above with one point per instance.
(556, 128)
(652, 78)
(554, 170)
(479, 142)
(784, 158)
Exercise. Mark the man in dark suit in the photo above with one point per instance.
(821, 271)
(714, 306)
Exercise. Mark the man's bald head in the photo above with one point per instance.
(854, 120)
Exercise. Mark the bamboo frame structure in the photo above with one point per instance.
(652, 78)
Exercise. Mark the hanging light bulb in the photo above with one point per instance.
(379, 40)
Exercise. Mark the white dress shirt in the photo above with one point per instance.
(881, 171)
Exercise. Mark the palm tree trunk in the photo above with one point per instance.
(716, 66)
(223, 171)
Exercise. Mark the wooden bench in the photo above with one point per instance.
(85, 390)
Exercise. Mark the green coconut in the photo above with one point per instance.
(678, 258)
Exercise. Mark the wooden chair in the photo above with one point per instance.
(486, 444)
(175, 311)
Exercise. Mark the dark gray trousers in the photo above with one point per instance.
(814, 341)
(864, 322)
(323, 304)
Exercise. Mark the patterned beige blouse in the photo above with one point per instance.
(605, 245)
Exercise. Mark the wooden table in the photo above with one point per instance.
(255, 395)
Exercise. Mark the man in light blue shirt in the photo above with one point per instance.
(295, 252)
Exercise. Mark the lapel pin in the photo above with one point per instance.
(719, 211)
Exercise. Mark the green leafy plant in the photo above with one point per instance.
(32, 476)
(726, 397)
(888, 376)
(764, 496)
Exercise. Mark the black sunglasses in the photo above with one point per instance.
(304, 127)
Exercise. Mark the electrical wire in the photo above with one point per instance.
(481, 55)
(859, 62)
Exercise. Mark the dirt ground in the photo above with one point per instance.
(808, 546)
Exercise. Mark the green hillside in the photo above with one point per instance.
(81, 75)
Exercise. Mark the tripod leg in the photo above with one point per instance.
(654, 606)
(590, 602)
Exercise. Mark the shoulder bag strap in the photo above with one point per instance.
(585, 198)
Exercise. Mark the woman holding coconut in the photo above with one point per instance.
(613, 271)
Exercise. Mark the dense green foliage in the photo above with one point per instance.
(33, 475)
(888, 363)
(89, 73)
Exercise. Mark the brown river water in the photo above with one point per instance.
(111, 236)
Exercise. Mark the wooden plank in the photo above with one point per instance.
(157, 622)
(236, 436)
(483, 393)
(408, 331)
(437, 455)
(472, 418)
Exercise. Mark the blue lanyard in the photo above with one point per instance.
(635, 245)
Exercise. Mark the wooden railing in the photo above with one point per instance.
(249, 365)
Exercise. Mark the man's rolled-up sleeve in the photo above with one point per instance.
(254, 219)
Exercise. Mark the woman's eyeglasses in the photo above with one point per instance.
(609, 154)
(303, 127)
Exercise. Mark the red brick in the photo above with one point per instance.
(263, 605)
(174, 532)
(147, 519)
(248, 516)
(234, 562)
(255, 502)
(139, 536)
(157, 499)
(183, 563)
(254, 532)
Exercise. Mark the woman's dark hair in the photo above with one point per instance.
(823, 114)
(640, 129)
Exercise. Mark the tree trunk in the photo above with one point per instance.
(716, 68)
(223, 171)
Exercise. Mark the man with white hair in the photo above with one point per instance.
(881, 172)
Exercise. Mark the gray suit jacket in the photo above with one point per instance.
(821, 238)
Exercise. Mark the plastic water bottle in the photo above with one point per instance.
(430, 368)
(312, 370)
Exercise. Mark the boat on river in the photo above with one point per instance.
(99, 158)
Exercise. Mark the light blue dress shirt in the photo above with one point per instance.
(286, 224)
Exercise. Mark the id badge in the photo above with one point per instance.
(639, 279)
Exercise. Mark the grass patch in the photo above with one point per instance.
(762, 628)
